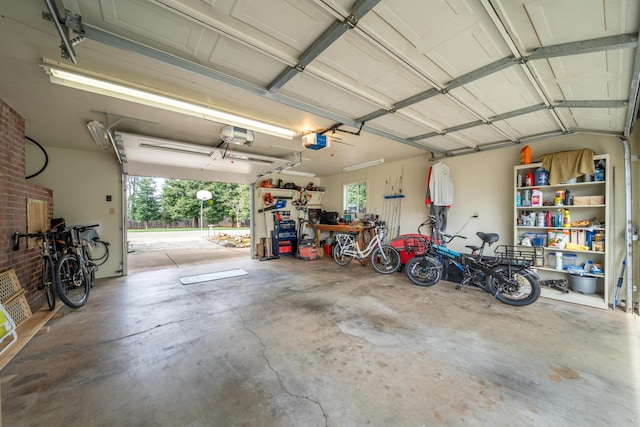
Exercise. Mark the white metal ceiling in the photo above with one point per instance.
(447, 76)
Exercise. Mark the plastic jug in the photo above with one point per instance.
(525, 155)
(542, 176)
(536, 197)
(599, 175)
(528, 180)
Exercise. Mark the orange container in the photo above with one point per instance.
(525, 155)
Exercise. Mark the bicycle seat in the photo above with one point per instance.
(488, 237)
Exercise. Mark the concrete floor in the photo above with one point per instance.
(309, 343)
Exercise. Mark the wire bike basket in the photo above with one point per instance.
(524, 256)
(410, 245)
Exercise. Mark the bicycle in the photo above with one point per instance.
(384, 258)
(49, 257)
(506, 275)
(75, 269)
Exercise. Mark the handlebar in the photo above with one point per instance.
(450, 237)
(84, 227)
(39, 235)
(432, 221)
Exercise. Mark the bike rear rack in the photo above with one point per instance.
(516, 255)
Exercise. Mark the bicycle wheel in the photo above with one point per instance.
(48, 282)
(521, 286)
(339, 257)
(423, 271)
(385, 259)
(72, 283)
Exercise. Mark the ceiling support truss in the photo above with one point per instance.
(361, 7)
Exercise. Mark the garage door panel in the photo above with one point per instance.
(507, 90)
(528, 124)
(323, 94)
(444, 143)
(434, 29)
(399, 125)
(604, 119)
(440, 112)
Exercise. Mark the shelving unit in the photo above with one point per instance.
(282, 234)
(601, 211)
(290, 194)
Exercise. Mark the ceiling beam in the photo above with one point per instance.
(624, 41)
(592, 104)
(326, 39)
(128, 45)
(361, 7)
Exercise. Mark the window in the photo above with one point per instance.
(355, 197)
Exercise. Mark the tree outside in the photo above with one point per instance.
(144, 204)
(356, 197)
(177, 202)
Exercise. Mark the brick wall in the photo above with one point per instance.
(14, 192)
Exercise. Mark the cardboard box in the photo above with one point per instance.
(581, 200)
(596, 200)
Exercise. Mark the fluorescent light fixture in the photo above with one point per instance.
(259, 160)
(99, 134)
(177, 147)
(129, 93)
(297, 173)
(363, 165)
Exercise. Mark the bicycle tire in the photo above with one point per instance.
(385, 259)
(339, 257)
(48, 282)
(523, 287)
(72, 284)
(423, 270)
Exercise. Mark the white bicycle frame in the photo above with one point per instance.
(347, 243)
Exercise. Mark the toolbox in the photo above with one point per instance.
(285, 247)
(285, 237)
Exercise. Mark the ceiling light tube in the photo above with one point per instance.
(178, 147)
(129, 93)
(297, 173)
(363, 165)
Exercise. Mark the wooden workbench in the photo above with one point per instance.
(340, 228)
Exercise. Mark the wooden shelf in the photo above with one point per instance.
(27, 330)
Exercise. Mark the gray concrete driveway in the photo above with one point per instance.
(162, 249)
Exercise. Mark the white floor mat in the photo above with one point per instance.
(189, 280)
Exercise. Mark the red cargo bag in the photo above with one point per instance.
(410, 245)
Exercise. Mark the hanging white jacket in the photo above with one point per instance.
(441, 185)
